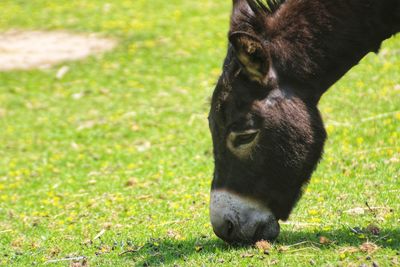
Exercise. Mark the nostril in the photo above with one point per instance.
(225, 230)
(229, 227)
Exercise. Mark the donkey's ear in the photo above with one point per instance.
(251, 53)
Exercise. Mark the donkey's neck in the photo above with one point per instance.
(315, 42)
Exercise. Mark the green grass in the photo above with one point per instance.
(132, 154)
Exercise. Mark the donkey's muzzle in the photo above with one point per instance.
(236, 219)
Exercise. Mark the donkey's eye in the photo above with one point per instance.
(244, 138)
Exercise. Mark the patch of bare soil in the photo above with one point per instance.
(22, 50)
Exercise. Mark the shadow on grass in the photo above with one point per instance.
(167, 251)
(342, 238)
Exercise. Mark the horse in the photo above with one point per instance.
(267, 132)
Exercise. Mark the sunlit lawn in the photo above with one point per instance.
(119, 148)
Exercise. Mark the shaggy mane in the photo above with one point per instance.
(266, 6)
(251, 15)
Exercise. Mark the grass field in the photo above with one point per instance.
(119, 148)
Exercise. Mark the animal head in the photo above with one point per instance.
(266, 130)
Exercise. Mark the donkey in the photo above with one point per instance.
(267, 132)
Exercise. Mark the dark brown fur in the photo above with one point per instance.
(309, 45)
